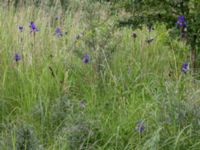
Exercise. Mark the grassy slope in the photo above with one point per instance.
(125, 81)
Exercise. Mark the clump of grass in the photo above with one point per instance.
(25, 139)
(71, 122)
(83, 134)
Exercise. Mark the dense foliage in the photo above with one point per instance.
(150, 12)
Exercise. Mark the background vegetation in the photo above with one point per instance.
(129, 94)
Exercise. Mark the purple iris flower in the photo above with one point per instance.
(21, 28)
(181, 22)
(185, 67)
(17, 57)
(33, 27)
(86, 59)
(140, 126)
(58, 32)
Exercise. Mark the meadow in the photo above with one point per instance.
(75, 80)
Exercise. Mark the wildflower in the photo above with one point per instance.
(134, 35)
(17, 57)
(21, 28)
(86, 59)
(58, 32)
(181, 22)
(140, 126)
(185, 67)
(33, 27)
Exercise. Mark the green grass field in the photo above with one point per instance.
(131, 95)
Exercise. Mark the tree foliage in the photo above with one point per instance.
(150, 12)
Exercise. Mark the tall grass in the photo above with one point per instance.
(51, 100)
